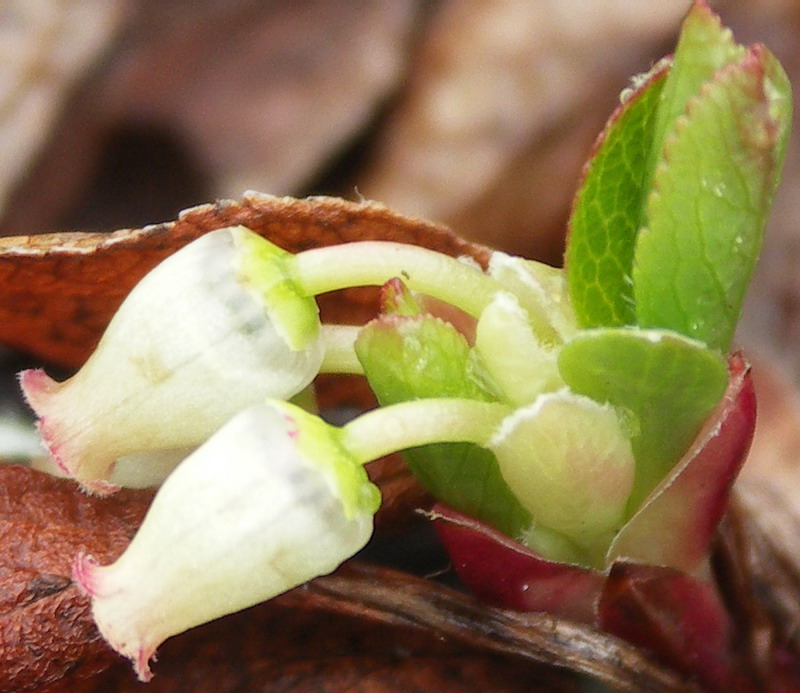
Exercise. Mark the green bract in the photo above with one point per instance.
(665, 383)
(408, 357)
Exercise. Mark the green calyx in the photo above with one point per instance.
(319, 444)
(265, 269)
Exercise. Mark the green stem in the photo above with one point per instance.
(340, 354)
(373, 263)
(420, 422)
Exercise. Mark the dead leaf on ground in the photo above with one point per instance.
(46, 630)
(60, 290)
(756, 561)
(298, 649)
(367, 629)
(238, 95)
(387, 596)
(290, 83)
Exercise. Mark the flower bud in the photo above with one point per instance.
(569, 462)
(519, 364)
(269, 502)
(542, 291)
(214, 328)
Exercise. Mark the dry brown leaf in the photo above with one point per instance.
(299, 649)
(288, 84)
(387, 596)
(774, 457)
(46, 629)
(757, 556)
(60, 290)
(247, 94)
(770, 324)
(756, 561)
(768, 491)
(524, 210)
(373, 630)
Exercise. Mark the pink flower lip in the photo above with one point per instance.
(83, 573)
(87, 575)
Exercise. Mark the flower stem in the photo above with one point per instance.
(372, 263)
(340, 354)
(420, 422)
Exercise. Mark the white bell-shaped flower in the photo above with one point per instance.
(214, 328)
(269, 502)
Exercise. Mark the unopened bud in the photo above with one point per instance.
(569, 462)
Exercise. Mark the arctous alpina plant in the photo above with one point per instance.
(578, 426)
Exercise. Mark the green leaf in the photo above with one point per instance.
(611, 207)
(704, 46)
(710, 200)
(666, 383)
(408, 358)
(606, 215)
